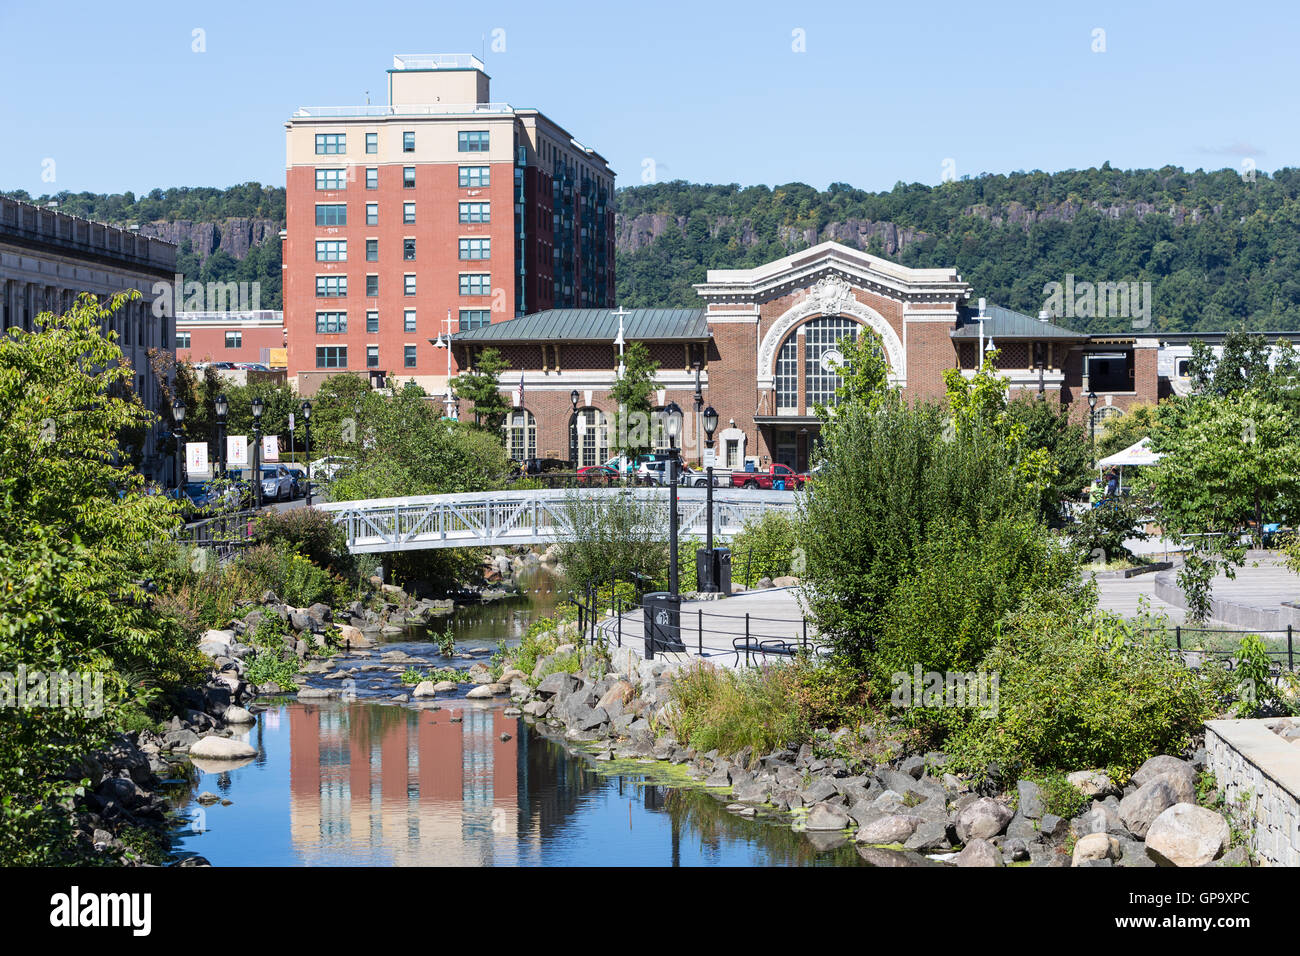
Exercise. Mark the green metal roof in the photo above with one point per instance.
(1000, 323)
(594, 325)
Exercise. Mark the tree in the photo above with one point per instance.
(480, 384)
(864, 374)
(631, 395)
(1229, 467)
(1120, 431)
(1047, 428)
(78, 528)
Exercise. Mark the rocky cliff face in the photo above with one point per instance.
(636, 233)
(232, 236)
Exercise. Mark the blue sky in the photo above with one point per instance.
(115, 96)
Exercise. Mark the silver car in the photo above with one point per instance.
(279, 484)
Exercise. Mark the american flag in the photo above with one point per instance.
(519, 395)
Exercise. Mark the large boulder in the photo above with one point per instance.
(983, 819)
(424, 689)
(238, 715)
(1091, 783)
(893, 828)
(1179, 774)
(482, 692)
(620, 692)
(1141, 807)
(221, 748)
(559, 684)
(1187, 835)
(1096, 846)
(979, 853)
(1031, 803)
(824, 816)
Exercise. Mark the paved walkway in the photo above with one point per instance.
(708, 627)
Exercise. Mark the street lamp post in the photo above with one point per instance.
(710, 416)
(178, 416)
(257, 452)
(306, 437)
(449, 403)
(699, 405)
(1092, 423)
(573, 430)
(673, 425)
(222, 406)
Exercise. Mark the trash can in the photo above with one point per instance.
(722, 570)
(704, 577)
(663, 628)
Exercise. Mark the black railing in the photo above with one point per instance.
(223, 534)
(1183, 640)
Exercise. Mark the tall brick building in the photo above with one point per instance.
(441, 211)
(759, 340)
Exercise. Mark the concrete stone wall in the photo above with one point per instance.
(1259, 772)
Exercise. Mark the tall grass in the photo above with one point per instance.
(728, 710)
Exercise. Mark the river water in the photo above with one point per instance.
(373, 783)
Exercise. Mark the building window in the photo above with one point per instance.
(234, 340)
(472, 141)
(408, 250)
(331, 143)
(372, 285)
(372, 250)
(331, 286)
(408, 356)
(593, 437)
(408, 320)
(372, 177)
(474, 319)
(475, 177)
(408, 213)
(331, 323)
(476, 248)
(331, 214)
(819, 385)
(476, 283)
(372, 214)
(372, 356)
(331, 356)
(408, 284)
(521, 434)
(372, 321)
(408, 177)
(331, 179)
(475, 212)
(182, 340)
(408, 142)
(331, 250)
(372, 142)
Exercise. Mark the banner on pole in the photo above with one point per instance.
(236, 451)
(270, 449)
(196, 459)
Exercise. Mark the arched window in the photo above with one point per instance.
(819, 335)
(521, 434)
(593, 437)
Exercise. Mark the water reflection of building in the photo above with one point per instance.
(390, 785)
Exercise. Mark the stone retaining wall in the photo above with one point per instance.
(1259, 773)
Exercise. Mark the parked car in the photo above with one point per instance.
(324, 469)
(279, 484)
(598, 475)
(656, 473)
(776, 476)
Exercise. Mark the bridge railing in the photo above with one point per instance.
(484, 519)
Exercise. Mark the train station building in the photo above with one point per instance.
(756, 350)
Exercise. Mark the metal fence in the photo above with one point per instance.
(224, 534)
(1185, 641)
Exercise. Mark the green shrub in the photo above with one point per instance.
(1101, 531)
(294, 578)
(1079, 690)
(765, 548)
(944, 613)
(309, 532)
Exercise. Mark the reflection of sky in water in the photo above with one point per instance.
(373, 785)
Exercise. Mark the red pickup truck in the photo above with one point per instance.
(784, 474)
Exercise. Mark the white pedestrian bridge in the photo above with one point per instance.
(489, 518)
